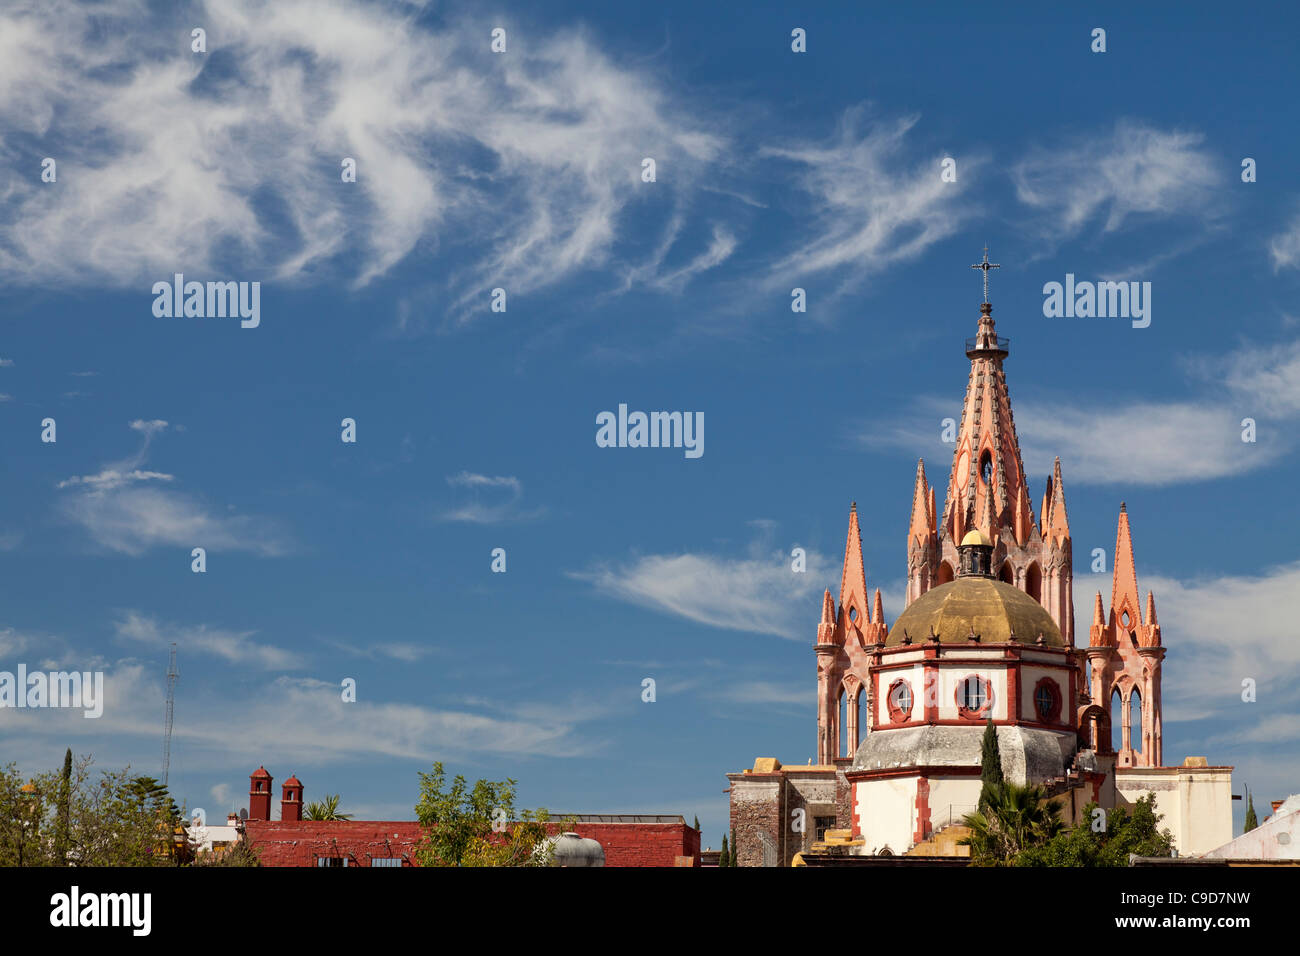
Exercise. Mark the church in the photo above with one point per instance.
(987, 634)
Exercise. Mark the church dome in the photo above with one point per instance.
(992, 609)
(976, 536)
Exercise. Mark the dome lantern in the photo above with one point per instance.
(975, 555)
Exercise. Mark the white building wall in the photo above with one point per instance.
(915, 677)
(951, 798)
(952, 675)
(1196, 802)
(1029, 678)
(886, 812)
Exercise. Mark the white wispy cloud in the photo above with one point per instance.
(871, 205)
(770, 692)
(1284, 248)
(396, 650)
(1104, 179)
(122, 510)
(759, 594)
(302, 720)
(479, 512)
(234, 647)
(522, 164)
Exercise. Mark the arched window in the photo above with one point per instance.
(945, 573)
(1047, 701)
(1034, 582)
(900, 701)
(1135, 719)
(974, 697)
(861, 699)
(1117, 716)
(1007, 573)
(843, 734)
(986, 468)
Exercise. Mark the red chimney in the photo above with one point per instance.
(291, 801)
(1276, 804)
(259, 795)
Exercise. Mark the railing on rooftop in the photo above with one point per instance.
(997, 343)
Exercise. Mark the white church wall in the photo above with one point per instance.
(952, 675)
(886, 812)
(1029, 678)
(915, 677)
(951, 798)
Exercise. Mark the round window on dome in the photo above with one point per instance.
(1047, 701)
(974, 697)
(900, 701)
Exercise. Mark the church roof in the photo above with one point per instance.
(991, 609)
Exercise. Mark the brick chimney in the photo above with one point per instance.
(259, 795)
(291, 801)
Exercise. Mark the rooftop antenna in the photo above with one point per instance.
(171, 705)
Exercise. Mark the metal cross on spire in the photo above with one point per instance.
(986, 266)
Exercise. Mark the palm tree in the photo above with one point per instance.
(1010, 819)
(327, 809)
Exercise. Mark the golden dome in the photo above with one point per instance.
(991, 609)
(976, 536)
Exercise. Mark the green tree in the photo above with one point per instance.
(327, 809)
(24, 808)
(1011, 819)
(67, 818)
(1109, 842)
(990, 762)
(477, 827)
(697, 824)
(1252, 821)
(724, 858)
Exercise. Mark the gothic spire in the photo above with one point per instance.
(1124, 591)
(1057, 526)
(986, 461)
(853, 582)
(922, 524)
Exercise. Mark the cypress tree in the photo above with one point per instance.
(697, 824)
(1251, 820)
(990, 756)
(990, 761)
(724, 858)
(65, 796)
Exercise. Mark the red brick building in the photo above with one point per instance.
(627, 839)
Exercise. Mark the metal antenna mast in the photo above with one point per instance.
(171, 704)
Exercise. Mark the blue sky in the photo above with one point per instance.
(476, 429)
